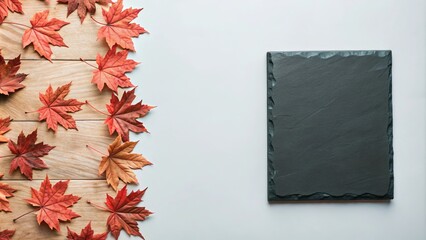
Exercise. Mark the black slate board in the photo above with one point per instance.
(330, 125)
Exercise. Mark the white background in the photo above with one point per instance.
(204, 66)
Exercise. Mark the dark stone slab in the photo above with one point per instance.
(330, 125)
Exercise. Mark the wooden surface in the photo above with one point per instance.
(81, 39)
(70, 159)
(41, 73)
(27, 226)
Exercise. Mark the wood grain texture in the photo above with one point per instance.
(70, 159)
(81, 39)
(41, 74)
(27, 226)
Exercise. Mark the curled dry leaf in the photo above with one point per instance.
(11, 5)
(6, 234)
(86, 234)
(6, 191)
(52, 204)
(118, 28)
(83, 6)
(112, 69)
(4, 128)
(56, 108)
(28, 153)
(10, 81)
(120, 162)
(42, 33)
(124, 212)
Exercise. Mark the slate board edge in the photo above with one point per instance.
(272, 196)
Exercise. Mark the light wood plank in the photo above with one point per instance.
(80, 38)
(71, 159)
(28, 228)
(43, 73)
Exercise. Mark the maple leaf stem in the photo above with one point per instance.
(6, 156)
(96, 21)
(90, 105)
(81, 59)
(97, 206)
(19, 24)
(96, 150)
(26, 112)
(23, 215)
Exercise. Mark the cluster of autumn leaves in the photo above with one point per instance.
(50, 202)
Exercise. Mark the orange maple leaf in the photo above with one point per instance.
(56, 108)
(83, 6)
(4, 128)
(124, 212)
(9, 80)
(6, 234)
(42, 33)
(27, 154)
(118, 28)
(120, 162)
(52, 204)
(5, 192)
(86, 234)
(112, 69)
(12, 5)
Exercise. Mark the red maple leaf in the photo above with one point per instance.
(12, 5)
(123, 115)
(83, 6)
(42, 33)
(28, 154)
(5, 192)
(56, 108)
(6, 234)
(124, 212)
(86, 234)
(52, 204)
(9, 80)
(4, 128)
(118, 29)
(112, 69)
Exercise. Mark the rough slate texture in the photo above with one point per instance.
(330, 125)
